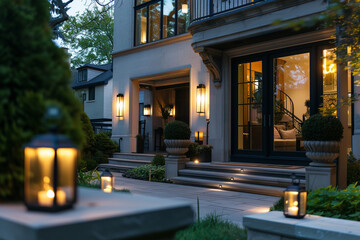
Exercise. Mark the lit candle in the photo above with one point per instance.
(46, 198)
(293, 211)
(108, 189)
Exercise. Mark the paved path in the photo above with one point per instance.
(230, 205)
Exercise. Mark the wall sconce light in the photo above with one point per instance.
(295, 200)
(120, 106)
(171, 110)
(199, 137)
(107, 181)
(200, 99)
(147, 110)
(184, 8)
(50, 171)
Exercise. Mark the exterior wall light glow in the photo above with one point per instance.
(171, 110)
(120, 106)
(184, 8)
(196, 161)
(107, 181)
(200, 99)
(295, 201)
(50, 172)
(147, 110)
(199, 137)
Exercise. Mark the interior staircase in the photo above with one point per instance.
(253, 178)
(120, 162)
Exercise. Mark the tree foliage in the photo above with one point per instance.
(344, 15)
(58, 15)
(34, 73)
(90, 36)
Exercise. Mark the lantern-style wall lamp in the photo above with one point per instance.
(199, 137)
(147, 110)
(107, 181)
(171, 110)
(295, 200)
(50, 173)
(200, 99)
(184, 8)
(120, 106)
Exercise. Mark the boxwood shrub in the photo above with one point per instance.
(331, 202)
(177, 130)
(158, 160)
(322, 128)
(142, 172)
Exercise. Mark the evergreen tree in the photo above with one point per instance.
(33, 73)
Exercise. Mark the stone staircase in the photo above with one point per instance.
(253, 178)
(120, 162)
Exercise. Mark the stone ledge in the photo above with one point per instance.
(98, 215)
(273, 225)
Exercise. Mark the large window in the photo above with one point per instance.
(91, 93)
(82, 75)
(158, 19)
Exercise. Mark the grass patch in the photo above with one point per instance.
(212, 227)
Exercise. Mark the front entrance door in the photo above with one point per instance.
(272, 94)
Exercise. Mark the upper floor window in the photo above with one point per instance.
(91, 93)
(158, 19)
(82, 75)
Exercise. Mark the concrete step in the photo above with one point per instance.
(135, 156)
(114, 167)
(254, 169)
(239, 177)
(230, 185)
(128, 162)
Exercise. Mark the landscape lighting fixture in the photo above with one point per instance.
(107, 181)
(295, 200)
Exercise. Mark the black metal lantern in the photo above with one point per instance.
(200, 99)
(295, 200)
(50, 173)
(147, 110)
(107, 181)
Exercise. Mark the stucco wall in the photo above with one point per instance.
(152, 61)
(108, 89)
(95, 108)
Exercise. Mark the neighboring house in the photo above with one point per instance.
(256, 75)
(93, 85)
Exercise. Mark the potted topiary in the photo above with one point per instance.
(177, 135)
(322, 135)
(205, 153)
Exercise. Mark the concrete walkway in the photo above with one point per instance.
(230, 205)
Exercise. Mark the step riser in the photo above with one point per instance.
(266, 172)
(128, 163)
(232, 188)
(284, 183)
(119, 168)
(148, 157)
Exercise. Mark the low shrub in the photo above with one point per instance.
(212, 227)
(177, 130)
(331, 202)
(193, 151)
(204, 148)
(158, 160)
(353, 169)
(322, 128)
(142, 172)
(105, 145)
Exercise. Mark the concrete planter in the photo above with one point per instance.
(177, 146)
(322, 153)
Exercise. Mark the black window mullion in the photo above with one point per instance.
(147, 24)
(162, 19)
(176, 17)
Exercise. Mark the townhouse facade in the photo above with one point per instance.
(227, 70)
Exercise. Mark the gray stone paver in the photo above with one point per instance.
(230, 205)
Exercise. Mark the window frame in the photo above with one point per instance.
(81, 74)
(147, 6)
(90, 94)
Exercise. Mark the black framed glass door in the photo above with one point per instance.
(272, 94)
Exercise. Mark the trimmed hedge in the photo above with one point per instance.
(322, 128)
(142, 172)
(177, 130)
(158, 160)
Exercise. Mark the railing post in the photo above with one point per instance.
(211, 7)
